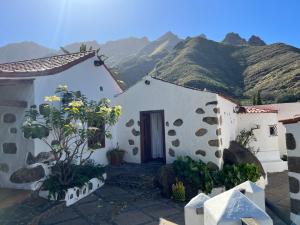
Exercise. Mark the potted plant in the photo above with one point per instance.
(115, 156)
(68, 123)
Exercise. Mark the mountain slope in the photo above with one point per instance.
(23, 51)
(234, 70)
(135, 67)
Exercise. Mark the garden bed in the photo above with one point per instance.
(73, 195)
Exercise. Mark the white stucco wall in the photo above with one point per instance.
(19, 92)
(177, 103)
(86, 78)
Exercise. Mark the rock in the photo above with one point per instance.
(218, 154)
(135, 150)
(212, 166)
(294, 185)
(131, 142)
(200, 111)
(135, 132)
(212, 103)
(129, 123)
(27, 175)
(171, 152)
(165, 179)
(9, 118)
(200, 152)
(176, 143)
(42, 157)
(236, 154)
(256, 41)
(178, 122)
(218, 132)
(13, 130)
(171, 132)
(211, 120)
(290, 141)
(216, 110)
(214, 143)
(234, 39)
(201, 132)
(9, 148)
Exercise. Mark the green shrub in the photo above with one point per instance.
(178, 191)
(196, 175)
(193, 172)
(78, 176)
(233, 175)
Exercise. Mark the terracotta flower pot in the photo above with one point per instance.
(115, 157)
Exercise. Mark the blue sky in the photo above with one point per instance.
(54, 23)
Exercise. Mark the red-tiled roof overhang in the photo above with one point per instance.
(260, 110)
(295, 119)
(43, 66)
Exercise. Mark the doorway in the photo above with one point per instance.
(152, 136)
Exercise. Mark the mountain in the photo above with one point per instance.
(234, 68)
(23, 51)
(116, 51)
(135, 67)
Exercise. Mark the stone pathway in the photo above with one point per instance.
(9, 197)
(116, 206)
(277, 195)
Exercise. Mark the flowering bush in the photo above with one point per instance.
(66, 123)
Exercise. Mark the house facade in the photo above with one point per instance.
(162, 120)
(26, 83)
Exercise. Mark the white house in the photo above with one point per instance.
(164, 120)
(26, 83)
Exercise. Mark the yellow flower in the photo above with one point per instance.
(52, 98)
(76, 104)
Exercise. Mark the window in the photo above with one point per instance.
(98, 139)
(273, 130)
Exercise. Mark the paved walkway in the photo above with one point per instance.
(9, 197)
(116, 206)
(277, 194)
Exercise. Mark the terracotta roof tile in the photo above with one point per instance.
(43, 66)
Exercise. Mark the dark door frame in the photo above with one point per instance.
(142, 140)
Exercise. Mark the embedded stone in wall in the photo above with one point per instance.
(9, 118)
(167, 123)
(131, 142)
(176, 143)
(139, 123)
(295, 206)
(290, 141)
(178, 122)
(211, 120)
(211, 103)
(171, 152)
(221, 120)
(9, 148)
(216, 110)
(201, 132)
(42, 157)
(4, 167)
(212, 166)
(201, 152)
(13, 130)
(218, 132)
(218, 154)
(27, 175)
(171, 132)
(200, 111)
(293, 164)
(135, 150)
(294, 185)
(221, 141)
(214, 143)
(130, 123)
(135, 132)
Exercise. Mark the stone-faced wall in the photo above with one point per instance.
(14, 148)
(193, 121)
(293, 151)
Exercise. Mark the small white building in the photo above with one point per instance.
(164, 120)
(25, 83)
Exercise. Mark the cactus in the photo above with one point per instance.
(178, 191)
